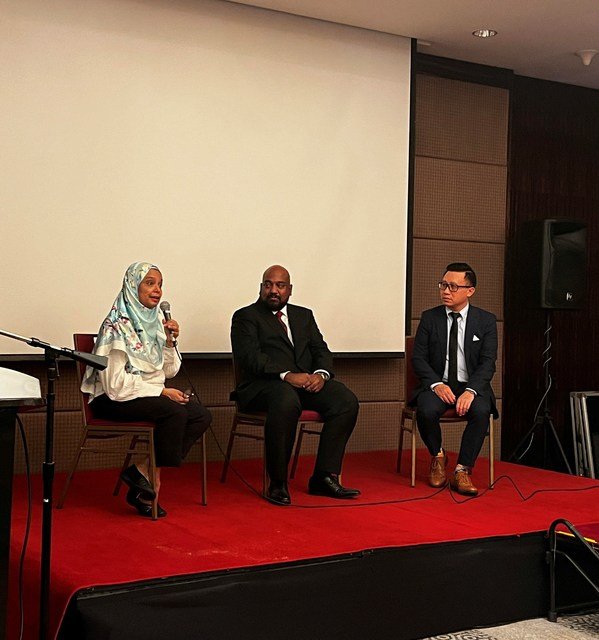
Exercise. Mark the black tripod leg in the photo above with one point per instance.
(527, 435)
(559, 445)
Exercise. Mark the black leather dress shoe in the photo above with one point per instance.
(134, 479)
(278, 493)
(329, 486)
(143, 508)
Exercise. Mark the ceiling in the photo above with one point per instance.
(536, 38)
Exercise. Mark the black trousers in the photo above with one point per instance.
(283, 404)
(430, 408)
(178, 426)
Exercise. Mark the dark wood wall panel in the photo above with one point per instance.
(554, 172)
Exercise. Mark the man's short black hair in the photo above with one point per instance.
(466, 269)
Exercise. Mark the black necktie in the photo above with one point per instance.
(452, 373)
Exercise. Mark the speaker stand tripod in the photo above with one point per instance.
(543, 421)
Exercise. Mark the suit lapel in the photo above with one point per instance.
(471, 325)
(273, 323)
(292, 321)
(441, 325)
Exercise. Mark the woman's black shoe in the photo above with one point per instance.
(134, 479)
(143, 508)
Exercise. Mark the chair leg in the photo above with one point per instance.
(204, 473)
(298, 446)
(126, 463)
(264, 471)
(491, 453)
(413, 475)
(76, 459)
(152, 474)
(400, 443)
(223, 476)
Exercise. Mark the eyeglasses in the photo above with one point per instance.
(452, 286)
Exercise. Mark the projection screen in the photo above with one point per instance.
(214, 140)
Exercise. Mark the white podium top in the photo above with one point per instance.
(19, 387)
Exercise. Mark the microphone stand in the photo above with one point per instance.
(51, 354)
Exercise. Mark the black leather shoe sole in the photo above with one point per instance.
(278, 493)
(342, 495)
(135, 480)
(144, 509)
(274, 498)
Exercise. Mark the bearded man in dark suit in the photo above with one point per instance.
(454, 356)
(287, 367)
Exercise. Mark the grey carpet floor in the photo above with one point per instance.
(571, 627)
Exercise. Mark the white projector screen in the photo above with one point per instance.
(214, 140)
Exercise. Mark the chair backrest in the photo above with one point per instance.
(84, 342)
(412, 382)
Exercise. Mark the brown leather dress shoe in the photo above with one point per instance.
(436, 476)
(460, 481)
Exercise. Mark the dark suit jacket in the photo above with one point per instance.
(262, 349)
(430, 350)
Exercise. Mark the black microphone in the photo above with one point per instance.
(165, 307)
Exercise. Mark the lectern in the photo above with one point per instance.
(17, 390)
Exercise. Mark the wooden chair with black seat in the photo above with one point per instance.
(141, 436)
(408, 419)
(255, 421)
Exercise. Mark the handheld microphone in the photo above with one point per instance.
(165, 307)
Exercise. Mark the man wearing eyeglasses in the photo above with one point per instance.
(287, 367)
(455, 350)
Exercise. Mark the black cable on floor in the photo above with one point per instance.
(351, 504)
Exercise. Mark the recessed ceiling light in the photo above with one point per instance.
(484, 33)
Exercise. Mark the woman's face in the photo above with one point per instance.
(149, 291)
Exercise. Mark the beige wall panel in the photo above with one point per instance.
(378, 382)
(372, 379)
(213, 380)
(459, 200)
(376, 429)
(461, 120)
(430, 257)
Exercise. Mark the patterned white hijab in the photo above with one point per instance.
(131, 327)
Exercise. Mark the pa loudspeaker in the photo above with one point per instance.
(553, 263)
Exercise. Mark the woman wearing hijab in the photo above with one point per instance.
(141, 355)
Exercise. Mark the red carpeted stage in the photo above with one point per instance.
(382, 566)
